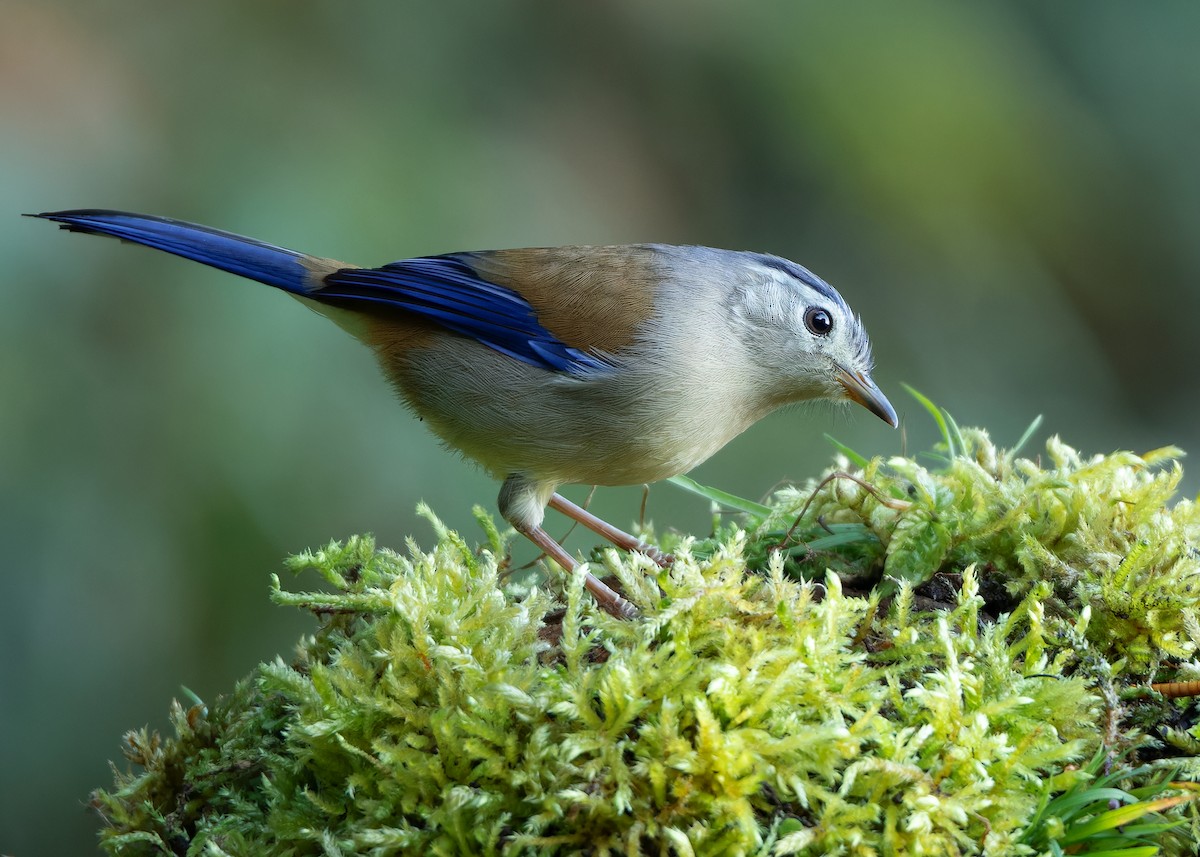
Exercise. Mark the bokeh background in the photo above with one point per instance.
(1008, 193)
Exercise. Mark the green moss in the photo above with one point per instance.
(1004, 624)
(1097, 532)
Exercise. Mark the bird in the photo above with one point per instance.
(600, 365)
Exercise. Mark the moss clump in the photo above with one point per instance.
(434, 711)
(1097, 532)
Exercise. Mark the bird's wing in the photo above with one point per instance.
(447, 292)
(565, 309)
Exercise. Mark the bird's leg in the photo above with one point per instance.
(522, 503)
(608, 600)
(600, 527)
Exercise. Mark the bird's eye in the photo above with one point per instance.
(818, 321)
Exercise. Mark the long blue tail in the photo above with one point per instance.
(246, 257)
(447, 291)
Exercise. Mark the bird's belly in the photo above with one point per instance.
(614, 430)
(648, 454)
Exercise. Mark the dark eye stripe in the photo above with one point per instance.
(800, 273)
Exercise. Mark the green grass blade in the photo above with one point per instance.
(843, 534)
(937, 415)
(1119, 816)
(856, 459)
(1033, 426)
(952, 425)
(1069, 805)
(723, 498)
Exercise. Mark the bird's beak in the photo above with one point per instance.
(860, 388)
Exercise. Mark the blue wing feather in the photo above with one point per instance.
(447, 291)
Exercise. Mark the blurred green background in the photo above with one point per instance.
(1009, 194)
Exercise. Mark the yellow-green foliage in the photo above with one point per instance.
(1097, 531)
(437, 712)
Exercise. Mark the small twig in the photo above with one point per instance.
(898, 505)
(1177, 689)
(864, 627)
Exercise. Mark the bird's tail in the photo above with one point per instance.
(293, 272)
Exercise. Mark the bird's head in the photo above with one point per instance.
(806, 339)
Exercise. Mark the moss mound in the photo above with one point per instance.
(982, 689)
